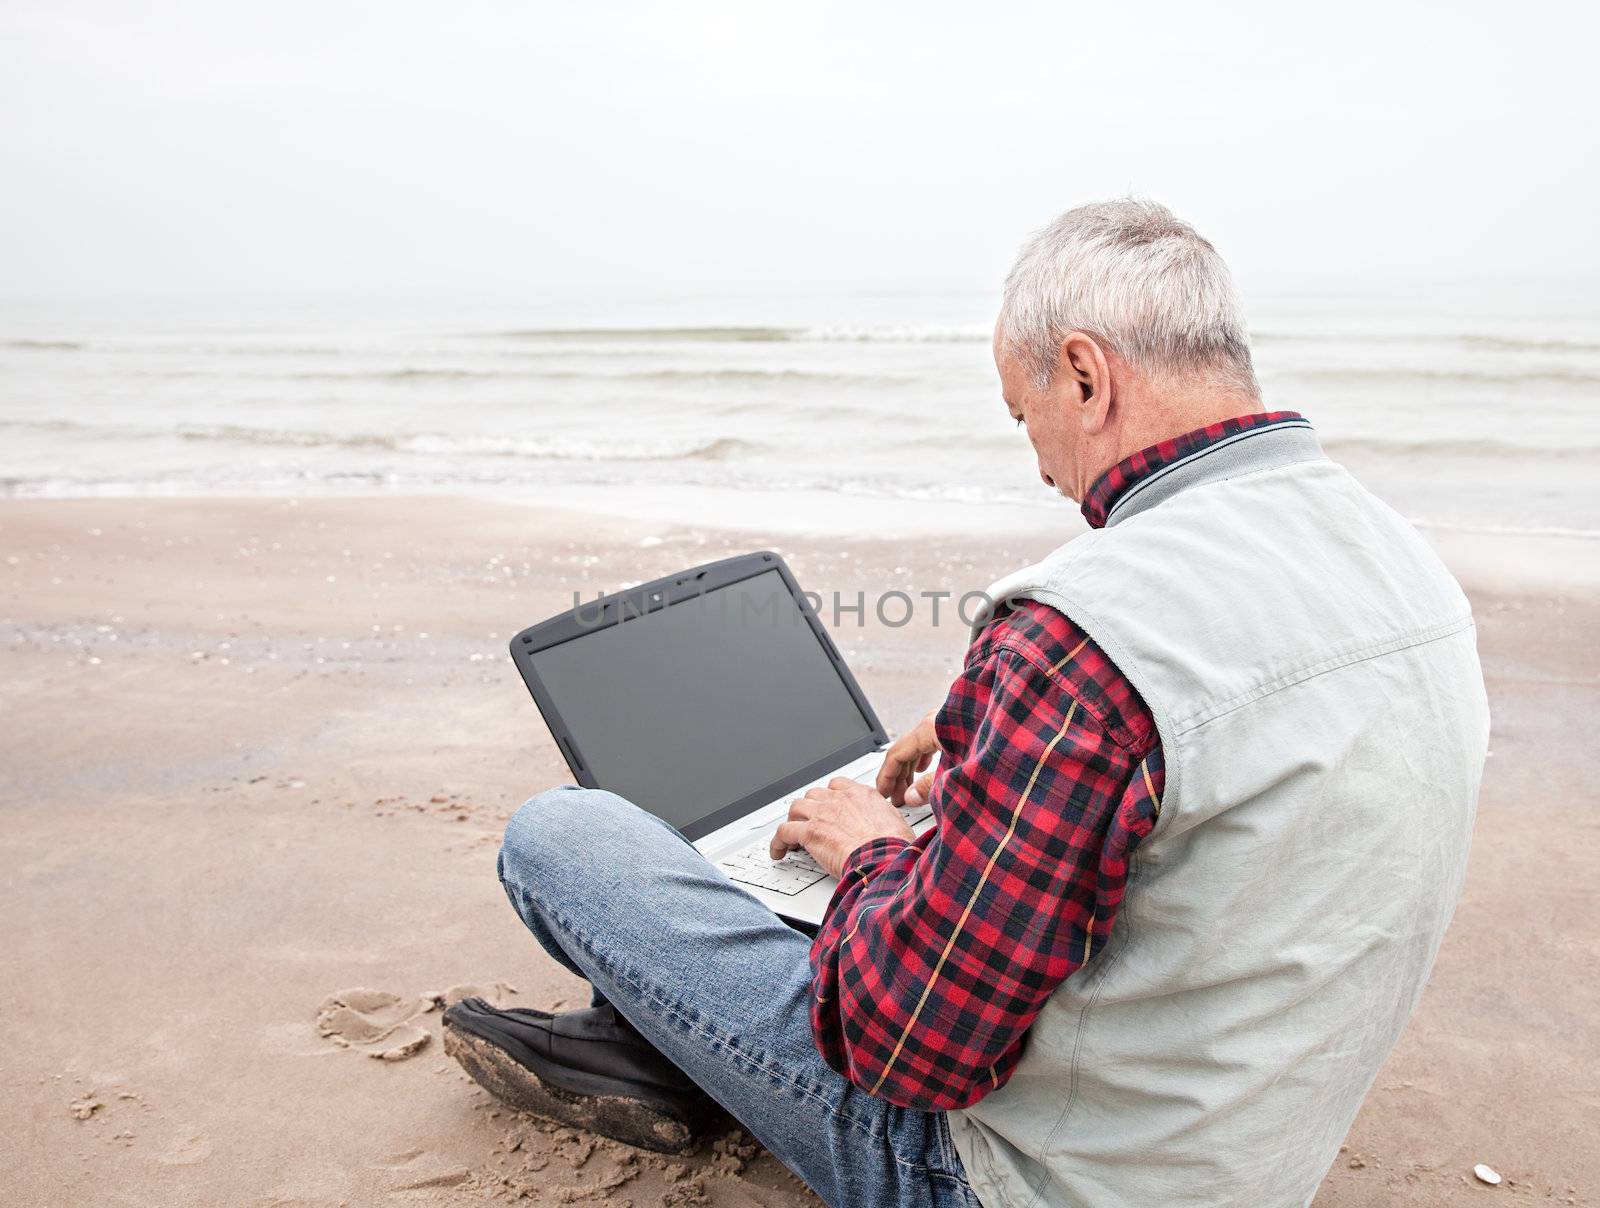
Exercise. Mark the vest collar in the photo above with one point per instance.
(1281, 443)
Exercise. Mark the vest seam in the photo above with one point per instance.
(1310, 671)
(991, 1173)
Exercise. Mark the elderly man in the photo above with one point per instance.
(1206, 789)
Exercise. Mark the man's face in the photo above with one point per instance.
(1047, 415)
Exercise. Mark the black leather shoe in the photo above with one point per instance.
(587, 1069)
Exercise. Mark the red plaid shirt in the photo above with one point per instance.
(937, 954)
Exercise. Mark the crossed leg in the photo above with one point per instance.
(720, 985)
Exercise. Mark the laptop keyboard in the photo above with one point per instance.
(797, 870)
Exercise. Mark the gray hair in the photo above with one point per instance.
(1139, 280)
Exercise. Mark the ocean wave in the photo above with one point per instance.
(711, 335)
(533, 448)
(396, 375)
(1479, 447)
(1509, 530)
(1464, 340)
(275, 437)
(566, 449)
(168, 347)
(1438, 377)
(758, 376)
(884, 334)
(666, 377)
(554, 448)
(899, 334)
(49, 425)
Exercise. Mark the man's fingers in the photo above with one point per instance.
(786, 838)
(893, 778)
(917, 794)
(907, 755)
(800, 809)
(897, 761)
(889, 774)
(890, 779)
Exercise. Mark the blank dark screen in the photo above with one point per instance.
(694, 706)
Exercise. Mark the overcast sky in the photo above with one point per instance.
(214, 145)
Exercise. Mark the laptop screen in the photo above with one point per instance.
(694, 706)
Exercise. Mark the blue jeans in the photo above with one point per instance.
(719, 984)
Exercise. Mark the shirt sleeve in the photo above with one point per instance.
(936, 956)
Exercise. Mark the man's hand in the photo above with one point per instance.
(832, 822)
(908, 755)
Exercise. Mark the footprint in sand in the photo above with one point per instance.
(378, 1023)
(418, 1170)
(388, 1026)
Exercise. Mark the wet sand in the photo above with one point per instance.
(257, 756)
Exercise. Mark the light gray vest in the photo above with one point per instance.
(1314, 677)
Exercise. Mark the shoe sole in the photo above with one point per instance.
(625, 1118)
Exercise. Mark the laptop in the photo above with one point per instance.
(711, 698)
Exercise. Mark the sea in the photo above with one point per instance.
(1472, 410)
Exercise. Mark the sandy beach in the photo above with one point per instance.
(258, 754)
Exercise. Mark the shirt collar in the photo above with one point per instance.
(1127, 473)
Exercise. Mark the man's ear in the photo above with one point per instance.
(1083, 363)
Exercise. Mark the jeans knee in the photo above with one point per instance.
(553, 830)
(538, 822)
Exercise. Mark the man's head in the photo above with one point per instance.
(1120, 327)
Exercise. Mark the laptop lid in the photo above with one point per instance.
(700, 696)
